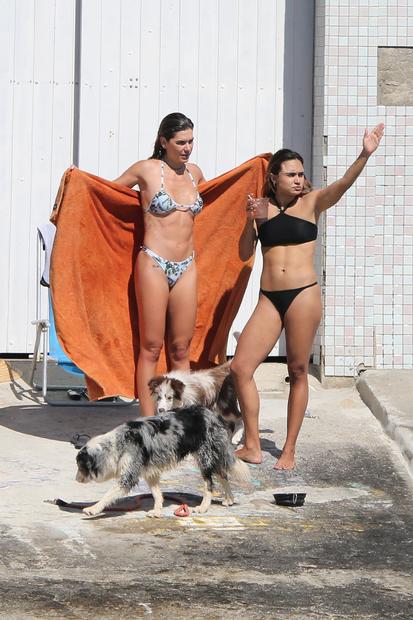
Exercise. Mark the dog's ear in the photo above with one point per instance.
(86, 462)
(178, 387)
(155, 382)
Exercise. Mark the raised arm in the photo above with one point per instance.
(330, 195)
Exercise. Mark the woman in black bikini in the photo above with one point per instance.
(289, 296)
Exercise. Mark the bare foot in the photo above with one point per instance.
(249, 456)
(286, 460)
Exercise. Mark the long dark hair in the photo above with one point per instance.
(274, 167)
(169, 126)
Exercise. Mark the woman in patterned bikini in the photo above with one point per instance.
(165, 268)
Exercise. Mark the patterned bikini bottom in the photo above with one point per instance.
(173, 270)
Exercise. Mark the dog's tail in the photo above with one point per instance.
(222, 368)
(240, 471)
(218, 373)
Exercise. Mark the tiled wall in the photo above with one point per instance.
(366, 245)
(318, 171)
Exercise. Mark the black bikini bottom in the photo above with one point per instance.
(281, 300)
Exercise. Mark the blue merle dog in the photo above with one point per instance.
(147, 447)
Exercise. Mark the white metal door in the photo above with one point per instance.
(221, 62)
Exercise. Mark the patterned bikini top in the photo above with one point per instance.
(162, 203)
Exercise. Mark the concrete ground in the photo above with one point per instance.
(347, 553)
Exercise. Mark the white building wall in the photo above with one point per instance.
(36, 133)
(368, 237)
(221, 62)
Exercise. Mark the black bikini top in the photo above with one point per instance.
(284, 229)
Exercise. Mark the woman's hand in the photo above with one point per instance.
(257, 208)
(250, 209)
(371, 139)
(248, 238)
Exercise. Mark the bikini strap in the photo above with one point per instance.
(162, 174)
(191, 177)
(287, 206)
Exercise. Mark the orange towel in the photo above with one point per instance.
(99, 232)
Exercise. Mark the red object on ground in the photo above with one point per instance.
(182, 511)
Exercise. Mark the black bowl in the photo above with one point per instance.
(289, 499)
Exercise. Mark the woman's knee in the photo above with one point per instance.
(151, 351)
(297, 371)
(239, 371)
(179, 350)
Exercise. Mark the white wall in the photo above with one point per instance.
(36, 111)
(221, 62)
(218, 62)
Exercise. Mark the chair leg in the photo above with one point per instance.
(44, 386)
(41, 326)
(35, 354)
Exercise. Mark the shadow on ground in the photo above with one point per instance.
(61, 423)
(31, 416)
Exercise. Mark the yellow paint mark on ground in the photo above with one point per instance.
(215, 523)
(208, 522)
(257, 522)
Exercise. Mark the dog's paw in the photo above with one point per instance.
(200, 509)
(229, 501)
(91, 511)
(154, 513)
